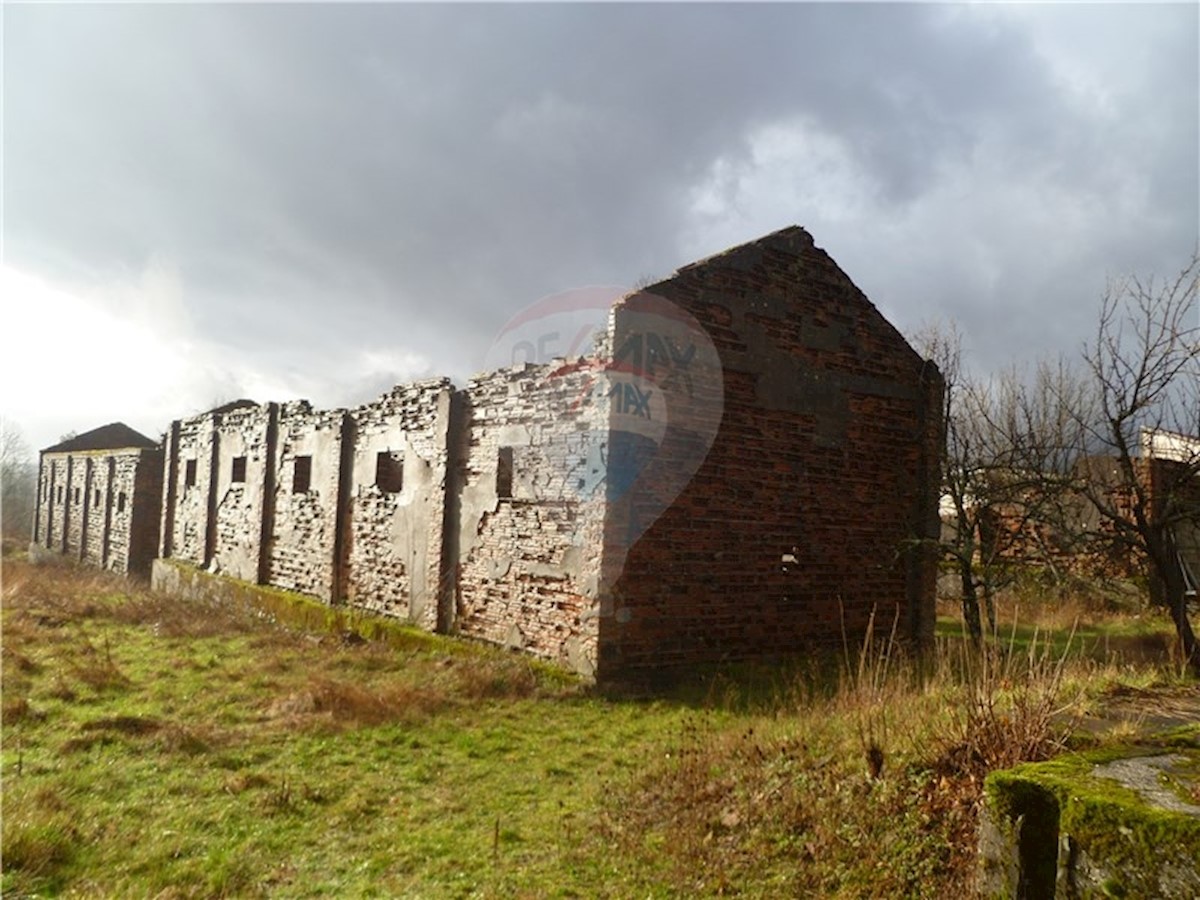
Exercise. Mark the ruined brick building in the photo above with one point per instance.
(98, 498)
(1056, 525)
(745, 466)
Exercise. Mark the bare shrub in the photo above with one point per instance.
(1013, 706)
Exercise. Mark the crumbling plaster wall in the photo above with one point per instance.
(77, 502)
(113, 498)
(394, 554)
(60, 504)
(54, 505)
(42, 514)
(303, 545)
(96, 481)
(801, 521)
(530, 553)
(187, 521)
(241, 483)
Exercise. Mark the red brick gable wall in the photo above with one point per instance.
(802, 521)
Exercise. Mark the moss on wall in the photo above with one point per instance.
(1081, 834)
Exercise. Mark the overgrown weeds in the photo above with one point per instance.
(883, 777)
(1011, 705)
(154, 747)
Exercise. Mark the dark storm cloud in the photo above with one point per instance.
(329, 178)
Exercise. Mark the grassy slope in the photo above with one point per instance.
(155, 748)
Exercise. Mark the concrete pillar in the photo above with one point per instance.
(84, 522)
(267, 531)
(106, 549)
(214, 471)
(66, 519)
(341, 523)
(171, 478)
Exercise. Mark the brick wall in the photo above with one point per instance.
(57, 504)
(96, 484)
(52, 471)
(138, 481)
(780, 506)
(241, 476)
(76, 499)
(800, 523)
(531, 511)
(190, 459)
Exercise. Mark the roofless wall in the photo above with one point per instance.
(745, 468)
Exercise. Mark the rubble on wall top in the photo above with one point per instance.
(230, 406)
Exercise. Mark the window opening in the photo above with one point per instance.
(389, 472)
(504, 473)
(302, 475)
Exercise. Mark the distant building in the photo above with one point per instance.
(98, 499)
(1071, 535)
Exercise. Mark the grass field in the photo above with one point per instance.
(158, 748)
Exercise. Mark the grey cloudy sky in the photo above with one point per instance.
(212, 201)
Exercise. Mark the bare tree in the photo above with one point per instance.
(1142, 417)
(962, 478)
(1008, 440)
(18, 483)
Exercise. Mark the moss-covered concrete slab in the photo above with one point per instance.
(1116, 823)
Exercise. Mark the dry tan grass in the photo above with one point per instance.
(884, 775)
(482, 678)
(328, 701)
(1011, 706)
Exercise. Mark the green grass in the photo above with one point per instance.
(1137, 639)
(153, 747)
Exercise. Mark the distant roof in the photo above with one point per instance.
(115, 436)
(1160, 444)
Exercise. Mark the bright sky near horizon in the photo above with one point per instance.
(212, 201)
